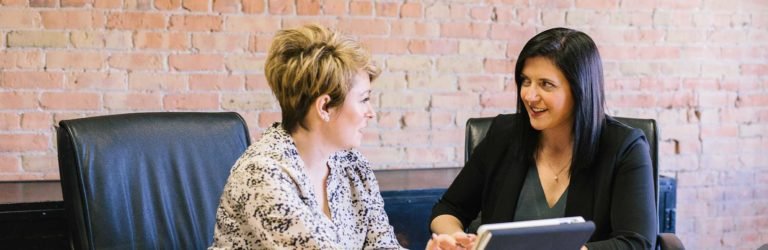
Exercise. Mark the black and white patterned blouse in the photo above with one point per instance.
(269, 203)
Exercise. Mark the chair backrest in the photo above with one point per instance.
(478, 127)
(147, 180)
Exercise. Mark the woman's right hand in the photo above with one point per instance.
(457, 240)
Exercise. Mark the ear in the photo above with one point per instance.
(321, 107)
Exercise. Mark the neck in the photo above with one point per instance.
(557, 140)
(312, 149)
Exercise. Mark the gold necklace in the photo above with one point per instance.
(557, 175)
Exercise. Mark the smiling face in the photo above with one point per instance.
(546, 94)
(348, 120)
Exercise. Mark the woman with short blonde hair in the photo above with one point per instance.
(302, 185)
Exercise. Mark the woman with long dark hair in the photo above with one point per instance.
(559, 156)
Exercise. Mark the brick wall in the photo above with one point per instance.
(697, 66)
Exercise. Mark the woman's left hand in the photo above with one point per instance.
(455, 241)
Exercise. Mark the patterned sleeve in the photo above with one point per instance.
(380, 234)
(260, 208)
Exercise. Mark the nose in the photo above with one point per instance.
(531, 94)
(371, 113)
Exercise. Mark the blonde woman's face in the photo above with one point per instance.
(349, 119)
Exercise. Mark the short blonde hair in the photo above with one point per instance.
(307, 62)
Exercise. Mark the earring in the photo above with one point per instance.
(325, 117)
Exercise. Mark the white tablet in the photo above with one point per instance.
(558, 233)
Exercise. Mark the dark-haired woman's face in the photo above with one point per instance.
(546, 95)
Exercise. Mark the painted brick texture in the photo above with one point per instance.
(699, 67)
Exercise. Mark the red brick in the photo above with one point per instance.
(482, 13)
(266, 119)
(226, 6)
(135, 20)
(39, 163)
(74, 60)
(459, 64)
(682, 5)
(308, 7)
(383, 155)
(334, 7)
(216, 82)
(385, 45)
(141, 5)
(38, 39)
(252, 24)
(195, 23)
(752, 100)
(133, 101)
(677, 99)
(415, 120)
(196, 62)
(107, 4)
(18, 100)
(161, 40)
(19, 19)
(256, 82)
(253, 6)
(438, 11)
(597, 4)
(248, 101)
(43, 3)
(411, 10)
(754, 69)
(168, 4)
(132, 61)
(259, 43)
(364, 26)
(387, 9)
(220, 42)
(459, 12)
(23, 142)
(405, 137)
(398, 99)
(36, 120)
(457, 100)
(9, 121)
(389, 120)
(9, 164)
(430, 155)
(195, 5)
(481, 83)
(70, 101)
(14, 3)
(245, 63)
(97, 80)
(511, 32)
(72, 19)
(191, 101)
(464, 30)
(415, 29)
(360, 8)
(280, 7)
(439, 47)
(24, 59)
(157, 81)
(449, 137)
(502, 66)
(31, 80)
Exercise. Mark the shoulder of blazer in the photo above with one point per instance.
(500, 133)
(619, 136)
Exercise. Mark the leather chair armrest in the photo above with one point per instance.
(669, 241)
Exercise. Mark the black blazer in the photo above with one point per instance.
(616, 192)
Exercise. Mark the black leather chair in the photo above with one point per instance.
(147, 180)
(478, 127)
